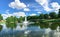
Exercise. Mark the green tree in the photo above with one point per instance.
(20, 19)
(46, 16)
(11, 22)
(32, 18)
(1, 18)
(53, 15)
(59, 14)
(15, 19)
(41, 16)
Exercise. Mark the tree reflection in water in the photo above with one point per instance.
(1, 27)
(46, 30)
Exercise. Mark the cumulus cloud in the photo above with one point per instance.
(17, 14)
(44, 4)
(32, 14)
(6, 15)
(26, 9)
(17, 4)
(55, 6)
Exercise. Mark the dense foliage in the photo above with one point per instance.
(59, 14)
(11, 22)
(1, 18)
(51, 15)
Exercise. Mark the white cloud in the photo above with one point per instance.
(44, 4)
(55, 6)
(26, 9)
(39, 12)
(32, 14)
(17, 4)
(17, 14)
(6, 15)
(47, 8)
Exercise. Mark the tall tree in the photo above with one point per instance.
(11, 22)
(20, 19)
(53, 15)
(59, 14)
(41, 16)
(1, 18)
(32, 17)
(46, 16)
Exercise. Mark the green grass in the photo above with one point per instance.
(51, 20)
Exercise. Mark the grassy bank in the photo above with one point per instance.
(51, 20)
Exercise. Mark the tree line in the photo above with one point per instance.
(11, 21)
(51, 15)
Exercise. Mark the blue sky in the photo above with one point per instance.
(28, 7)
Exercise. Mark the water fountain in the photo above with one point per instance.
(25, 23)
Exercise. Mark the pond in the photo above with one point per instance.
(29, 31)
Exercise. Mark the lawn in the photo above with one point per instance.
(51, 20)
